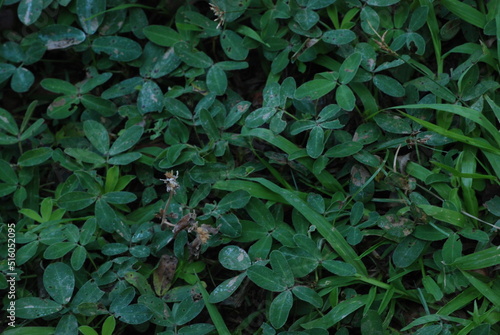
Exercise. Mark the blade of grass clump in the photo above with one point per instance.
(465, 12)
(480, 143)
(325, 228)
(460, 301)
(465, 112)
(468, 166)
(215, 315)
(325, 178)
(484, 288)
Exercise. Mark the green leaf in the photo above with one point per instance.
(393, 123)
(191, 56)
(26, 252)
(97, 134)
(59, 36)
(345, 149)
(209, 125)
(35, 157)
(479, 260)
(167, 63)
(29, 11)
(8, 123)
(265, 278)
(108, 327)
(371, 323)
(58, 86)
(306, 18)
(452, 249)
(22, 79)
(161, 35)
(187, 310)
(87, 13)
(489, 293)
(225, 289)
(85, 156)
(337, 313)
(75, 201)
(339, 36)
(177, 108)
(281, 268)
(382, 3)
(133, 314)
(78, 257)
(307, 294)
(119, 197)
(234, 200)
(128, 86)
(259, 116)
(446, 215)
(6, 71)
(216, 80)
(280, 308)
(314, 89)
(339, 268)
(233, 45)
(118, 48)
(150, 98)
(465, 12)
(102, 106)
(59, 281)
(126, 140)
(408, 251)
(345, 98)
(388, 85)
(315, 143)
(333, 236)
(34, 308)
(58, 250)
(62, 107)
(349, 68)
(432, 287)
(229, 225)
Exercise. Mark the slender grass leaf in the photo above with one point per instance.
(479, 260)
(485, 289)
(443, 214)
(466, 12)
(476, 142)
(465, 112)
(337, 313)
(331, 234)
(214, 313)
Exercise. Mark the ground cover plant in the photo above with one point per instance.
(249, 167)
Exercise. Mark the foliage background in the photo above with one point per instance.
(338, 164)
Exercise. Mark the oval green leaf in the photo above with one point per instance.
(59, 281)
